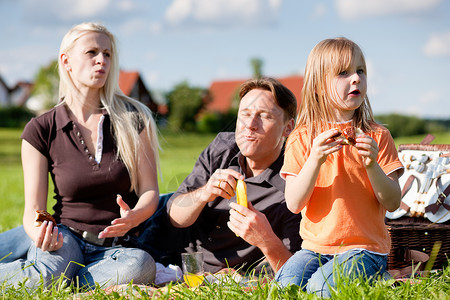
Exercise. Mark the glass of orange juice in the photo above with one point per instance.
(192, 265)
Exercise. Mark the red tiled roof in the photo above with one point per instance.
(222, 92)
(295, 84)
(127, 80)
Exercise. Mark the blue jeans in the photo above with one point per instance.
(14, 245)
(92, 264)
(319, 274)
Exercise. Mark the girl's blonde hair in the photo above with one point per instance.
(128, 116)
(329, 58)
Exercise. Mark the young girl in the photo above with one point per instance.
(342, 191)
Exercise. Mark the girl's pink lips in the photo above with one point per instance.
(355, 93)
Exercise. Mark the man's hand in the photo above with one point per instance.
(250, 224)
(221, 184)
(253, 226)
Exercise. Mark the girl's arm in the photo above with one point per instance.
(385, 187)
(299, 188)
(35, 173)
(147, 191)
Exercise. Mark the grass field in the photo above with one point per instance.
(180, 151)
(177, 157)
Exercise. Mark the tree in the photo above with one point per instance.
(257, 67)
(184, 104)
(402, 125)
(46, 84)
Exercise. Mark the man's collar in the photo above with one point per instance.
(270, 175)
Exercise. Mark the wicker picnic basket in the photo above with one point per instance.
(417, 234)
(420, 228)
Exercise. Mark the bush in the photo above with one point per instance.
(216, 122)
(14, 117)
(400, 125)
(184, 104)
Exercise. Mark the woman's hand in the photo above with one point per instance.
(121, 225)
(48, 238)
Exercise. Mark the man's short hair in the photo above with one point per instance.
(283, 96)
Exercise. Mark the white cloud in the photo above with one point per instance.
(373, 79)
(350, 9)
(83, 8)
(222, 12)
(320, 9)
(23, 64)
(430, 98)
(429, 104)
(49, 12)
(438, 45)
(65, 10)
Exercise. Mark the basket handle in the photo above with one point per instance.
(415, 258)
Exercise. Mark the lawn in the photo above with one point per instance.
(179, 151)
(178, 155)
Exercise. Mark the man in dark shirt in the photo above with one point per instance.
(203, 214)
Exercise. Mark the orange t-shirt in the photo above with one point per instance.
(343, 212)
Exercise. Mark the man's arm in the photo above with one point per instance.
(186, 208)
(253, 226)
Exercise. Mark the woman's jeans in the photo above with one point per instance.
(14, 244)
(319, 274)
(92, 264)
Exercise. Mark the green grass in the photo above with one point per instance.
(178, 155)
(439, 138)
(180, 151)
(432, 286)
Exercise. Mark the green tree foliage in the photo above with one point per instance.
(257, 67)
(14, 116)
(401, 125)
(215, 122)
(46, 84)
(184, 104)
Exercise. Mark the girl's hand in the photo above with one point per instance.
(368, 149)
(323, 145)
(48, 238)
(121, 225)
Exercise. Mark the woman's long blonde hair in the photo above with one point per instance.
(126, 114)
(329, 57)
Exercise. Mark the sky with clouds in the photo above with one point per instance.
(406, 42)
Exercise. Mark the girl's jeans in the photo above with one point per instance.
(319, 274)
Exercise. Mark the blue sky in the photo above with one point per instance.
(406, 42)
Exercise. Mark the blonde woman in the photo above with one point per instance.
(101, 150)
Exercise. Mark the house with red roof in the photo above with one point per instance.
(222, 93)
(132, 85)
(15, 96)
